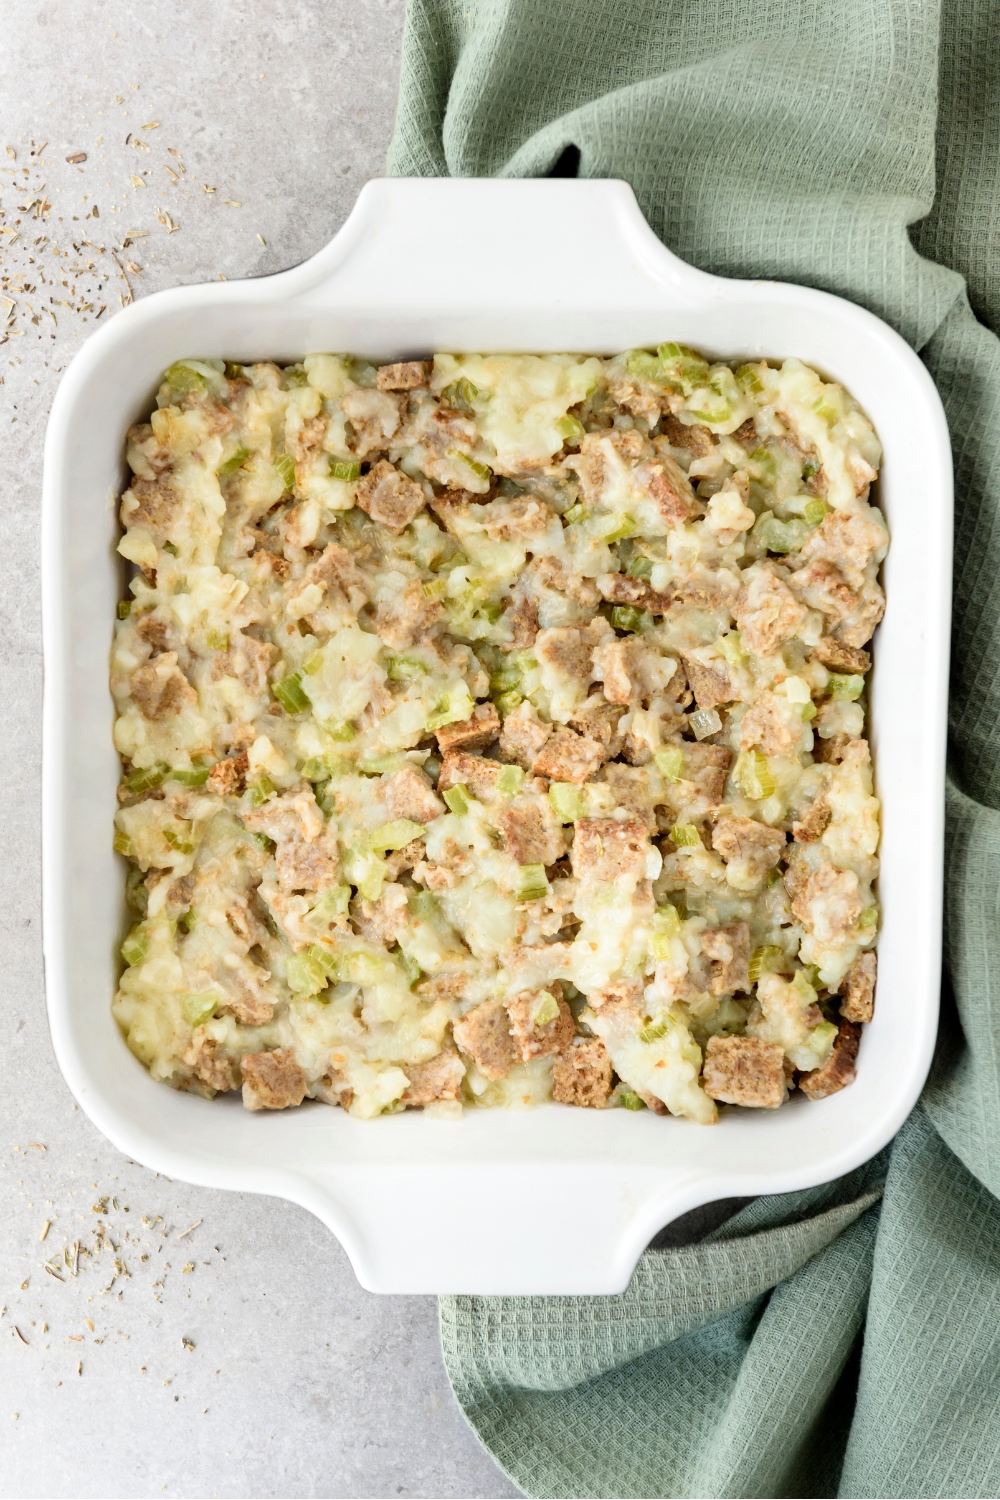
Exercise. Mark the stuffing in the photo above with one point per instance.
(408, 376)
(389, 496)
(568, 756)
(474, 733)
(523, 736)
(485, 1035)
(272, 1080)
(743, 1070)
(581, 1075)
(858, 989)
(838, 1071)
(766, 611)
(540, 1022)
(408, 686)
(530, 833)
(609, 849)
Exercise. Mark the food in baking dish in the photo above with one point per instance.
(492, 731)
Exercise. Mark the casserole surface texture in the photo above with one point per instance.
(552, 1199)
(466, 707)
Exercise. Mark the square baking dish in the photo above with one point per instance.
(554, 1200)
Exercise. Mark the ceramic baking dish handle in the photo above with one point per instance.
(448, 246)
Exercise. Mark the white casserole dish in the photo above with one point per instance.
(554, 1200)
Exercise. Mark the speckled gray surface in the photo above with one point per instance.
(242, 1358)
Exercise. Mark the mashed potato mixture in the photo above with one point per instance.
(492, 731)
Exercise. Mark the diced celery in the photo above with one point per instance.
(181, 845)
(285, 466)
(826, 411)
(408, 964)
(124, 608)
(625, 617)
(569, 802)
(377, 765)
(779, 536)
(868, 918)
(640, 567)
(491, 610)
(814, 510)
(323, 767)
(845, 685)
(456, 705)
(507, 702)
(290, 695)
(669, 761)
(196, 776)
(616, 528)
(803, 989)
(753, 775)
(136, 946)
(347, 469)
(148, 779)
(435, 588)
(341, 732)
(666, 919)
(461, 394)
(237, 461)
(217, 640)
(395, 834)
(123, 844)
(765, 960)
(681, 368)
(574, 515)
(457, 799)
(546, 1010)
(685, 835)
(653, 1030)
(571, 430)
(532, 883)
(309, 972)
(313, 662)
(404, 668)
(481, 471)
(181, 377)
(263, 842)
(808, 711)
(510, 780)
(169, 547)
(748, 378)
(260, 790)
(504, 680)
(424, 906)
(371, 883)
(333, 903)
(665, 926)
(703, 722)
(295, 376)
(764, 462)
(198, 1007)
(731, 646)
(642, 365)
(629, 1099)
(186, 921)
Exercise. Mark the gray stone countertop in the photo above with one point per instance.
(237, 1356)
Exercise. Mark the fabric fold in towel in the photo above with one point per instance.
(834, 1341)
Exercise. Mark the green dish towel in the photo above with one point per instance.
(844, 1340)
